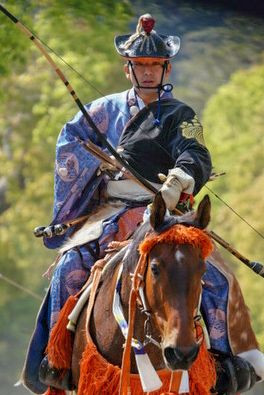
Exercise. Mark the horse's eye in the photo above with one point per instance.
(155, 269)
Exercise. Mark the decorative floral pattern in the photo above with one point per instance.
(100, 117)
(67, 166)
(193, 129)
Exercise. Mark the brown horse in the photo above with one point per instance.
(172, 290)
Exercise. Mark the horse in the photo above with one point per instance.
(172, 291)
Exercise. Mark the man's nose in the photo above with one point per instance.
(147, 69)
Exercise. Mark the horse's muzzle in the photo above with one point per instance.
(180, 357)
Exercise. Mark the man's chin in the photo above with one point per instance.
(147, 90)
(148, 87)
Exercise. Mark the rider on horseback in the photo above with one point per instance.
(163, 135)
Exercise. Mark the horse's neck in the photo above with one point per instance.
(104, 329)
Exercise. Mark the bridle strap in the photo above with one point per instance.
(125, 370)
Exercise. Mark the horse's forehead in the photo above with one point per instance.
(187, 254)
(185, 248)
(176, 252)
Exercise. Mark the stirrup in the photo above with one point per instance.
(57, 378)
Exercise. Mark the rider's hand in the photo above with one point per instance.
(176, 182)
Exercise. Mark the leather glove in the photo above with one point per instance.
(176, 182)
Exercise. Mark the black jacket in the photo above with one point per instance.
(152, 149)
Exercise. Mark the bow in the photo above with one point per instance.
(61, 228)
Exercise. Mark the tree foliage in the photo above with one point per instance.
(233, 120)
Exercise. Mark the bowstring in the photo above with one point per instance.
(20, 287)
(235, 212)
(82, 77)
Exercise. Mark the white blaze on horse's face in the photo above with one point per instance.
(173, 287)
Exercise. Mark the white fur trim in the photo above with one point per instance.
(256, 358)
(129, 189)
(93, 227)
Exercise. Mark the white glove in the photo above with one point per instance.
(176, 182)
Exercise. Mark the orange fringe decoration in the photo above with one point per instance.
(59, 348)
(54, 391)
(97, 376)
(179, 234)
(202, 372)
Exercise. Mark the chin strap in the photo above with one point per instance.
(161, 87)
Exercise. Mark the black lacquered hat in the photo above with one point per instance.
(146, 42)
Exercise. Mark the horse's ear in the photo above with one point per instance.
(157, 211)
(202, 217)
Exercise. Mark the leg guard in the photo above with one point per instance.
(234, 374)
(55, 377)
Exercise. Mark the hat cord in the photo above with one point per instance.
(133, 37)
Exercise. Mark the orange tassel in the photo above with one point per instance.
(202, 373)
(179, 234)
(97, 376)
(54, 391)
(169, 393)
(59, 348)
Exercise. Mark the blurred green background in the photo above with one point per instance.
(219, 72)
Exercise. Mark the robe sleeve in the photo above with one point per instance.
(76, 178)
(75, 169)
(187, 146)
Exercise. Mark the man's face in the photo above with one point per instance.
(148, 72)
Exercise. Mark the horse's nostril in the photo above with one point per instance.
(180, 357)
(169, 353)
(187, 353)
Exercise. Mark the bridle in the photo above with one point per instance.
(148, 330)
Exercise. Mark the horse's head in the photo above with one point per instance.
(176, 253)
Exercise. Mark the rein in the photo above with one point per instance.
(136, 283)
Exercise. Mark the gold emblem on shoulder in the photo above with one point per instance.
(193, 129)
